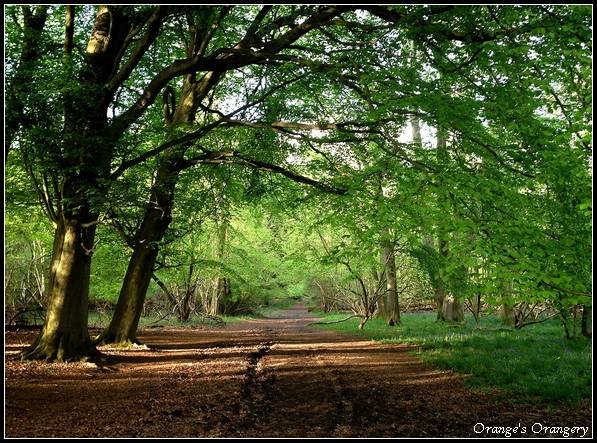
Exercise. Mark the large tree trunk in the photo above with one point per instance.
(449, 307)
(64, 336)
(123, 326)
(122, 329)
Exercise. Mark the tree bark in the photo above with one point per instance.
(64, 336)
(440, 295)
(391, 302)
(185, 307)
(440, 289)
(586, 321)
(223, 287)
(507, 309)
(19, 88)
(416, 130)
(123, 326)
(363, 322)
(444, 251)
(507, 314)
(453, 309)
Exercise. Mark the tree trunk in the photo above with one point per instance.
(20, 88)
(458, 310)
(507, 313)
(452, 309)
(157, 218)
(586, 318)
(383, 309)
(391, 302)
(440, 295)
(123, 326)
(84, 165)
(64, 336)
(223, 286)
(363, 322)
(440, 289)
(475, 304)
(416, 130)
(222, 293)
(184, 308)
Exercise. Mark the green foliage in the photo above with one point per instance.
(500, 181)
(526, 365)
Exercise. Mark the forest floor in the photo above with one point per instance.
(271, 377)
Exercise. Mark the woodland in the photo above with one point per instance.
(184, 179)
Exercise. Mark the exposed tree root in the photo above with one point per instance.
(60, 351)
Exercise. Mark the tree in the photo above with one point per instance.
(82, 159)
(80, 169)
(336, 85)
(172, 160)
(391, 301)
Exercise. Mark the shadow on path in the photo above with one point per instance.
(271, 377)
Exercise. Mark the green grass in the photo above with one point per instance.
(536, 362)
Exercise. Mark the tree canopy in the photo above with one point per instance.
(286, 145)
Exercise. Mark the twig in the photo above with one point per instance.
(335, 321)
(168, 314)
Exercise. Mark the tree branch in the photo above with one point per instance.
(154, 23)
(69, 29)
(221, 61)
(199, 132)
(233, 157)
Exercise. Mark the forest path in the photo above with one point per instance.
(271, 377)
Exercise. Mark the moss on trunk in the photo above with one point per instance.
(64, 336)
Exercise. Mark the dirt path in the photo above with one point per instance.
(274, 377)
